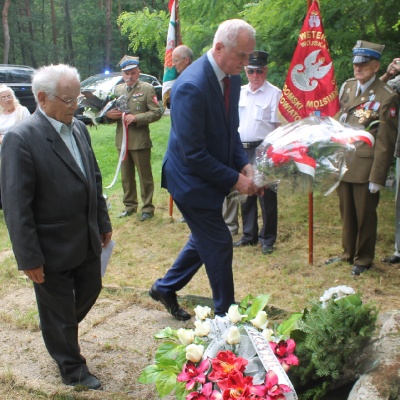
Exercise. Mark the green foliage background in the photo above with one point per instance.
(140, 28)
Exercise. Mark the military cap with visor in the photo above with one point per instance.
(258, 59)
(128, 62)
(366, 51)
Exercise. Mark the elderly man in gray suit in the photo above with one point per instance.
(56, 215)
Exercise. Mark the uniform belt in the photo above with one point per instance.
(251, 145)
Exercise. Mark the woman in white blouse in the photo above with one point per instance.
(10, 110)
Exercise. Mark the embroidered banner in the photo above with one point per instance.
(310, 87)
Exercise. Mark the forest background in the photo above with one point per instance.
(93, 35)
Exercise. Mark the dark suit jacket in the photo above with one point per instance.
(53, 212)
(204, 151)
(379, 105)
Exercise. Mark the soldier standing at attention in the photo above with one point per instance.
(367, 103)
(143, 110)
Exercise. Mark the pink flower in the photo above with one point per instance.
(271, 390)
(207, 393)
(284, 353)
(192, 375)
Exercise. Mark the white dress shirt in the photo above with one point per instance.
(258, 112)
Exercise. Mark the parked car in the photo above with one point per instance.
(19, 79)
(107, 83)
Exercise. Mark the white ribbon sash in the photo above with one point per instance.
(124, 151)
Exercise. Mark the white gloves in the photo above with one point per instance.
(374, 187)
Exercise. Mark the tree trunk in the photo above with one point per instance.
(69, 58)
(54, 30)
(6, 31)
(108, 34)
(31, 34)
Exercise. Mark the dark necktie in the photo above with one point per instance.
(129, 88)
(227, 91)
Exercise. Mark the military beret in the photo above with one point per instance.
(258, 59)
(365, 51)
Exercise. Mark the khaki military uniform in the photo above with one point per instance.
(142, 102)
(375, 110)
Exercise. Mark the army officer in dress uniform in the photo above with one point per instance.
(141, 100)
(368, 103)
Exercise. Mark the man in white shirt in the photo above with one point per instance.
(258, 115)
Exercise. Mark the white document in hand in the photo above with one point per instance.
(105, 256)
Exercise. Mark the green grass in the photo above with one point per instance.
(145, 251)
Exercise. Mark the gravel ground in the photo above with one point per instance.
(116, 338)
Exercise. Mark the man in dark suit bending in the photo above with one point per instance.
(56, 215)
(204, 160)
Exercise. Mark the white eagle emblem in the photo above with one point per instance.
(305, 77)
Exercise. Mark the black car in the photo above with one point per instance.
(19, 79)
(107, 83)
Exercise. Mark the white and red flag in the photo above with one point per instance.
(170, 73)
(310, 87)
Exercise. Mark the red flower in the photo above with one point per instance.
(236, 386)
(206, 394)
(271, 390)
(225, 364)
(284, 353)
(192, 375)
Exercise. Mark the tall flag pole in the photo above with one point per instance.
(174, 39)
(310, 87)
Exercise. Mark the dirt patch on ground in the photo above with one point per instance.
(116, 338)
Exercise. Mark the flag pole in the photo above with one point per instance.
(310, 205)
(178, 42)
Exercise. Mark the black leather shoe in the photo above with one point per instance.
(171, 304)
(145, 216)
(242, 243)
(266, 249)
(359, 269)
(89, 381)
(125, 214)
(333, 260)
(391, 260)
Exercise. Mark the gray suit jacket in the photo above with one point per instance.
(53, 212)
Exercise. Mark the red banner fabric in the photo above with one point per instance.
(310, 87)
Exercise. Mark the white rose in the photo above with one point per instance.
(234, 314)
(194, 352)
(202, 328)
(261, 320)
(268, 335)
(202, 312)
(186, 336)
(233, 336)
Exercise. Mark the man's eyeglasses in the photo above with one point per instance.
(258, 71)
(67, 101)
(8, 97)
(176, 60)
